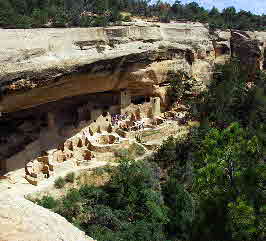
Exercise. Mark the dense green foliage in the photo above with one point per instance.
(207, 186)
(236, 99)
(129, 207)
(61, 13)
(229, 174)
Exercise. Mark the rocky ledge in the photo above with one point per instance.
(23, 220)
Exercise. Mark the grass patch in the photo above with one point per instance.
(150, 133)
(134, 150)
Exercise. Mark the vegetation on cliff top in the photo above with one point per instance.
(207, 186)
(84, 13)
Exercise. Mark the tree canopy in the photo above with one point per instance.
(36, 13)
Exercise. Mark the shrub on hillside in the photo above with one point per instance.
(61, 18)
(39, 17)
(47, 202)
(59, 182)
(122, 153)
(70, 177)
(136, 150)
(23, 21)
(128, 207)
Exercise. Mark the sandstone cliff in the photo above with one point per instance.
(47, 70)
(40, 66)
(45, 65)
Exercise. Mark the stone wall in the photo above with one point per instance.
(100, 120)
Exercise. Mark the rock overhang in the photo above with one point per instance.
(48, 58)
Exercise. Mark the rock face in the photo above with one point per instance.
(248, 50)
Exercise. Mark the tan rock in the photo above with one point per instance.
(83, 154)
(43, 159)
(133, 117)
(22, 220)
(162, 49)
(59, 156)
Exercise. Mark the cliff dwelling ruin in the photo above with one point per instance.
(49, 111)
(36, 131)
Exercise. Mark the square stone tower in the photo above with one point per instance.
(156, 106)
(125, 100)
